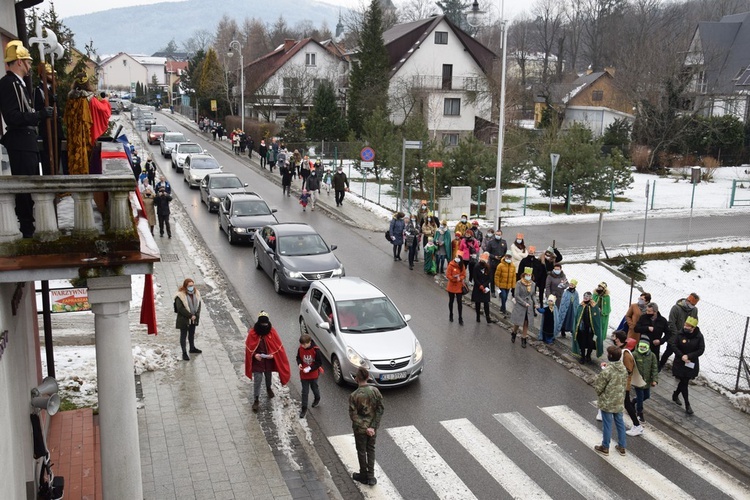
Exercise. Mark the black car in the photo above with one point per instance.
(241, 214)
(215, 187)
(294, 255)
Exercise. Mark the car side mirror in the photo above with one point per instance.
(333, 247)
(274, 210)
(205, 150)
(221, 167)
(325, 325)
(407, 317)
(270, 251)
(246, 184)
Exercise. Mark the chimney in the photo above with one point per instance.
(288, 43)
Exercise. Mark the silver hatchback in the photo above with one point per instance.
(355, 324)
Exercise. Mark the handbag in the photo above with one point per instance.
(464, 289)
(388, 234)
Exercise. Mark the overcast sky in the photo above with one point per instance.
(66, 8)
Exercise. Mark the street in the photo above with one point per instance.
(481, 399)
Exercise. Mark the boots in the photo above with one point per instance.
(688, 409)
(270, 393)
(676, 398)
(523, 342)
(303, 412)
(513, 337)
(256, 404)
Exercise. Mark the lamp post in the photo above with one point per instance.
(474, 18)
(234, 44)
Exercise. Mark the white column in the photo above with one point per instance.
(118, 422)
(45, 218)
(83, 215)
(120, 218)
(8, 221)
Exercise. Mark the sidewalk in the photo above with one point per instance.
(717, 426)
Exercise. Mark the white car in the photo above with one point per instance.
(168, 141)
(181, 151)
(197, 166)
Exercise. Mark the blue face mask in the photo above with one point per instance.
(557, 271)
(498, 237)
(191, 289)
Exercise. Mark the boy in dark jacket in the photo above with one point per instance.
(161, 203)
(309, 361)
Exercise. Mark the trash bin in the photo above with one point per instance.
(695, 175)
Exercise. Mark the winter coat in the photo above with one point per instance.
(309, 357)
(183, 309)
(313, 182)
(445, 239)
(482, 277)
(468, 247)
(662, 330)
(603, 301)
(461, 227)
(428, 229)
(631, 318)
(456, 274)
(525, 295)
(286, 175)
(691, 344)
(555, 321)
(568, 310)
(538, 272)
(148, 195)
(497, 249)
(629, 362)
(455, 248)
(340, 182)
(594, 317)
(518, 254)
(648, 368)
(397, 231)
(411, 234)
(549, 264)
(505, 276)
(610, 387)
(679, 313)
(555, 285)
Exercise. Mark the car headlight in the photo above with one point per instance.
(417, 352)
(356, 359)
(181, 161)
(239, 229)
(292, 274)
(215, 199)
(338, 272)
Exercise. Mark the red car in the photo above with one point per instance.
(155, 133)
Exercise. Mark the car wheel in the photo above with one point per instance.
(276, 282)
(338, 375)
(230, 235)
(302, 326)
(256, 258)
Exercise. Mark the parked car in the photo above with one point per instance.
(197, 166)
(116, 105)
(148, 119)
(155, 133)
(215, 187)
(242, 214)
(182, 150)
(355, 324)
(294, 255)
(168, 142)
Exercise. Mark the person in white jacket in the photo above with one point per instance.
(518, 250)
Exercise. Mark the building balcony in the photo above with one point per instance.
(86, 225)
(458, 83)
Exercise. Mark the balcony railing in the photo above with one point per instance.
(434, 82)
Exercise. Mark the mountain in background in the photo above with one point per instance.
(145, 29)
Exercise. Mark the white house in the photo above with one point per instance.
(122, 72)
(440, 71)
(155, 67)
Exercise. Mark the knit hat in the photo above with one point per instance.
(15, 51)
(551, 298)
(645, 338)
(528, 270)
(263, 324)
(508, 252)
(519, 236)
(550, 251)
(573, 282)
(691, 321)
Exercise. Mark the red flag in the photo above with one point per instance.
(148, 311)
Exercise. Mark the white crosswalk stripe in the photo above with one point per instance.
(548, 451)
(639, 472)
(347, 452)
(511, 477)
(444, 482)
(696, 463)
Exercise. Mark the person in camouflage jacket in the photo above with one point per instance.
(610, 389)
(365, 411)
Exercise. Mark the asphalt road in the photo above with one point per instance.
(472, 372)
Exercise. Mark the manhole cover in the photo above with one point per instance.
(169, 257)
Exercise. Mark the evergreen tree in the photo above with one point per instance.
(325, 121)
(455, 11)
(293, 131)
(368, 84)
(210, 82)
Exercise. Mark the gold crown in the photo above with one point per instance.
(84, 79)
(263, 314)
(15, 51)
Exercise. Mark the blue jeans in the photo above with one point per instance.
(503, 298)
(641, 395)
(607, 429)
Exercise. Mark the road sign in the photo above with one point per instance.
(554, 158)
(213, 105)
(367, 154)
(412, 144)
(434, 164)
(367, 164)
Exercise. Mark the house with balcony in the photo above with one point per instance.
(718, 65)
(288, 78)
(440, 72)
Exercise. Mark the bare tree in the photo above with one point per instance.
(415, 10)
(548, 24)
(575, 16)
(199, 40)
(520, 46)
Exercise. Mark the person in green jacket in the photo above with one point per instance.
(645, 377)
(602, 300)
(587, 333)
(365, 411)
(610, 388)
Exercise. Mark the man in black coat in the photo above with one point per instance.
(20, 138)
(656, 327)
(340, 185)
(161, 203)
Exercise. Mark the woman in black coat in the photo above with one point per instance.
(480, 294)
(688, 346)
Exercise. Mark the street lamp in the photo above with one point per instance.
(474, 18)
(234, 44)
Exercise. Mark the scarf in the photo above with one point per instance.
(527, 284)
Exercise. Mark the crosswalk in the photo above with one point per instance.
(445, 482)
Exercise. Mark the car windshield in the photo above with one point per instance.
(250, 207)
(190, 148)
(158, 128)
(368, 315)
(204, 163)
(225, 182)
(172, 137)
(148, 114)
(302, 244)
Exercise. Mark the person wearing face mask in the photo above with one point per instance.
(497, 248)
(469, 250)
(428, 228)
(456, 245)
(505, 279)
(518, 250)
(265, 354)
(411, 239)
(587, 329)
(644, 378)
(569, 308)
(681, 311)
(480, 294)
(187, 305)
(396, 230)
(456, 274)
(620, 339)
(523, 310)
(340, 185)
(423, 214)
(655, 326)
(442, 241)
(602, 300)
(688, 346)
(463, 224)
(550, 319)
(634, 314)
(610, 386)
(477, 232)
(556, 283)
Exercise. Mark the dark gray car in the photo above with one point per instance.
(294, 255)
(215, 187)
(241, 214)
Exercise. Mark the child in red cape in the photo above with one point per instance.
(264, 354)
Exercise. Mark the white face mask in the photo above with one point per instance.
(519, 241)
(498, 237)
(527, 277)
(457, 260)
(463, 220)
(557, 271)
(508, 260)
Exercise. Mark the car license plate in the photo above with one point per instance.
(393, 376)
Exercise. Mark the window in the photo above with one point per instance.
(441, 38)
(315, 297)
(450, 139)
(452, 106)
(310, 59)
(597, 95)
(291, 89)
(447, 83)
